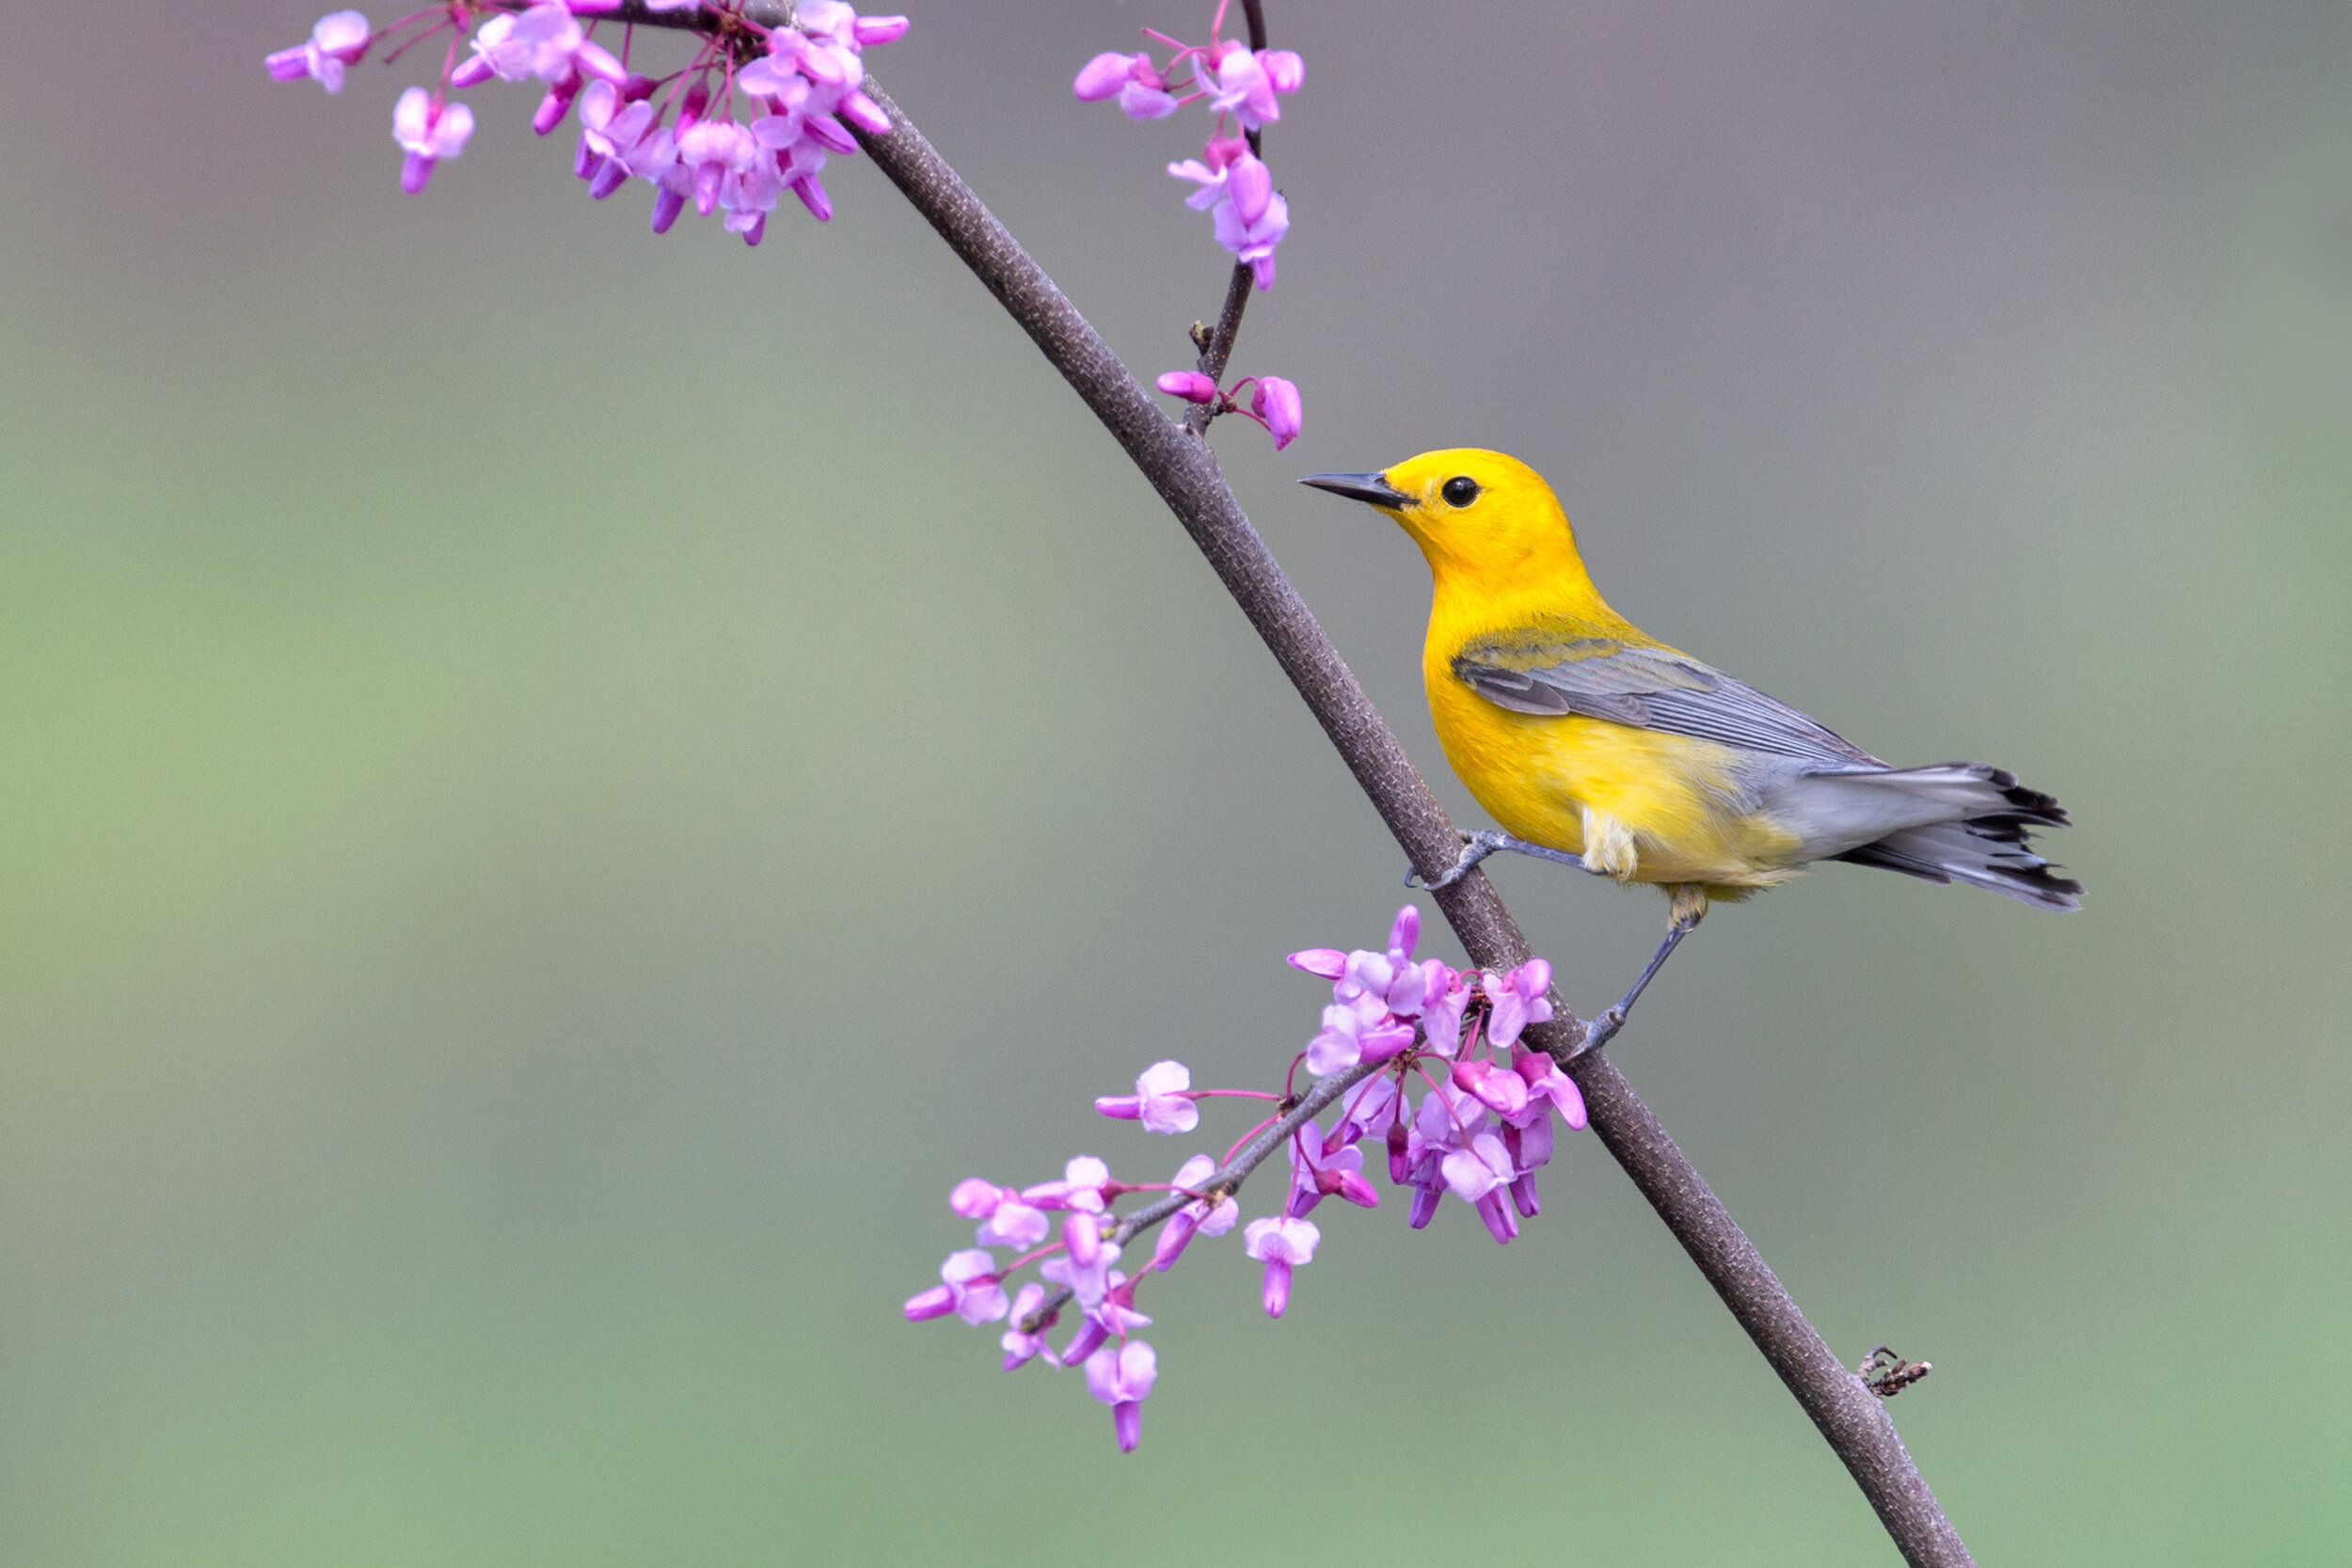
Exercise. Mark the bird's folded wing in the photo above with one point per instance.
(1647, 689)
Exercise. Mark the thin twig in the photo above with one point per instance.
(1227, 1180)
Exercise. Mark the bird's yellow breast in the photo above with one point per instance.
(1677, 802)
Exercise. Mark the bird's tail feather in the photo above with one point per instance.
(1989, 850)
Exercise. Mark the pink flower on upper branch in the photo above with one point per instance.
(1161, 1101)
(1005, 1220)
(338, 40)
(428, 131)
(1246, 84)
(1121, 1377)
(1253, 217)
(1081, 1186)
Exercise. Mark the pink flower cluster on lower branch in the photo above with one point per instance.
(1396, 1028)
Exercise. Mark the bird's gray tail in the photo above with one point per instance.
(1990, 847)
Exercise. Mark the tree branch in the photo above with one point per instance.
(1186, 474)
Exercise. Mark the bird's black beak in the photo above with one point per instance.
(1372, 489)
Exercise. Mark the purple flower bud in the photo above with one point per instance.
(415, 170)
(1399, 1171)
(1425, 1205)
(667, 205)
(867, 115)
(871, 30)
(1404, 934)
(1283, 67)
(1085, 1341)
(1357, 1191)
(610, 177)
(1330, 962)
(812, 194)
(1276, 401)
(1500, 1224)
(1189, 385)
(1523, 1195)
(1127, 1424)
(937, 1302)
(1120, 1107)
(556, 105)
(1174, 1237)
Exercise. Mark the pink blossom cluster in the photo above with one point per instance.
(1274, 403)
(1395, 1026)
(794, 86)
(1242, 88)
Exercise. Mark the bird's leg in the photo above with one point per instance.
(1690, 908)
(1477, 847)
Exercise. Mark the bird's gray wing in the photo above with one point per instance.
(1647, 689)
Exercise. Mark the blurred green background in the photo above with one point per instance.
(562, 787)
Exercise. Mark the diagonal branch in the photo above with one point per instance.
(1182, 468)
(1185, 473)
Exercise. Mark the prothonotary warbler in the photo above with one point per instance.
(1592, 742)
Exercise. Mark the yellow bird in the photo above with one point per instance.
(1592, 742)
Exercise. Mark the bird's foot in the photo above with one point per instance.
(1602, 1027)
(1477, 847)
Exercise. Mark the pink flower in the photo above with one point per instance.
(1121, 1377)
(710, 149)
(1088, 1279)
(1246, 84)
(337, 39)
(1517, 999)
(1276, 404)
(1200, 1217)
(1005, 1220)
(1254, 218)
(971, 1292)
(1498, 1089)
(1019, 1347)
(1321, 1167)
(428, 131)
(1548, 1089)
(1330, 962)
(1280, 1244)
(1160, 1100)
(1081, 1186)
(1354, 1033)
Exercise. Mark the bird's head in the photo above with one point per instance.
(1472, 512)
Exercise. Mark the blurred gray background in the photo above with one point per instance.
(563, 786)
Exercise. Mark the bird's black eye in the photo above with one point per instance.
(1460, 490)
